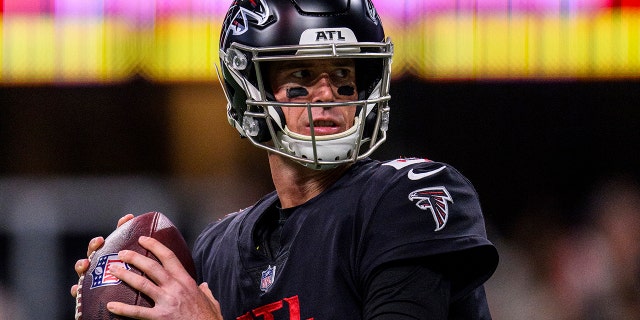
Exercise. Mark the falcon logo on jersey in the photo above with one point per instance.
(267, 278)
(102, 275)
(435, 200)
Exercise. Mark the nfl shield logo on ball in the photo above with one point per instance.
(267, 279)
(102, 275)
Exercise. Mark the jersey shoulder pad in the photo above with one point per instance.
(431, 204)
(428, 209)
(218, 228)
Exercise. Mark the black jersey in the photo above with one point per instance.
(376, 213)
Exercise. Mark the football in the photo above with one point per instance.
(98, 286)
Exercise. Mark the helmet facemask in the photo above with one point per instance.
(260, 117)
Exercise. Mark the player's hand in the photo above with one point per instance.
(175, 294)
(83, 264)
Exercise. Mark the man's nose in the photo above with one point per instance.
(322, 91)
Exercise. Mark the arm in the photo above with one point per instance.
(414, 290)
(406, 290)
(426, 241)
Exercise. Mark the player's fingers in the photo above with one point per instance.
(81, 266)
(167, 258)
(94, 244)
(74, 290)
(131, 311)
(150, 267)
(137, 281)
(124, 219)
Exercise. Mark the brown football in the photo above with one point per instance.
(97, 286)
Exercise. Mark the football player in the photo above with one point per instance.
(342, 236)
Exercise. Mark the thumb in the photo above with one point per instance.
(204, 287)
(215, 305)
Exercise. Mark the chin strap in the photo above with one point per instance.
(335, 147)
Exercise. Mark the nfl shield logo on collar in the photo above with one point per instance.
(101, 275)
(267, 279)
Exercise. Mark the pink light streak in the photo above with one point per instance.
(397, 10)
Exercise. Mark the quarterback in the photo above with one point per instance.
(342, 236)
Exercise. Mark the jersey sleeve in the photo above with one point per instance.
(202, 247)
(211, 242)
(429, 212)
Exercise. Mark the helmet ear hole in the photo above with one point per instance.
(263, 131)
(264, 134)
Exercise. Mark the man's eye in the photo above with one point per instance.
(301, 74)
(341, 73)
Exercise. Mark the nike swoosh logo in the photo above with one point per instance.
(417, 176)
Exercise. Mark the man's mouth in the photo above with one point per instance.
(325, 127)
(324, 123)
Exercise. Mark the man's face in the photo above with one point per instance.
(320, 80)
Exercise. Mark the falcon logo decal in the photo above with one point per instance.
(436, 200)
(243, 12)
(373, 14)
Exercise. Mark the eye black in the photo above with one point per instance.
(346, 90)
(296, 92)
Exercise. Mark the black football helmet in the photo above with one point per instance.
(256, 32)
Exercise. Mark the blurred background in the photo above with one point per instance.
(110, 107)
